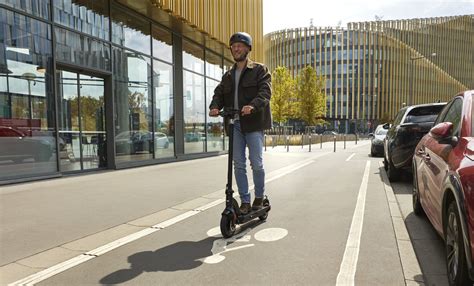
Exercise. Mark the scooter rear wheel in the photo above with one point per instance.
(266, 203)
(227, 226)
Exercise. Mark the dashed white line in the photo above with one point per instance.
(350, 157)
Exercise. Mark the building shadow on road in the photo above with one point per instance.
(182, 255)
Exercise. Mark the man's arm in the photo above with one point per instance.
(218, 98)
(264, 93)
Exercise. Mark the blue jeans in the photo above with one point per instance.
(254, 141)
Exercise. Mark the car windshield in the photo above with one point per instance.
(423, 114)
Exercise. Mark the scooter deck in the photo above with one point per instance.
(243, 218)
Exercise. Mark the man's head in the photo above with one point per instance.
(240, 45)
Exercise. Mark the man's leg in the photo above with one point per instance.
(255, 144)
(240, 164)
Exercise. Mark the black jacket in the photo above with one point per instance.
(254, 89)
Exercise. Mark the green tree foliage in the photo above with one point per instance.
(283, 95)
(311, 98)
(89, 108)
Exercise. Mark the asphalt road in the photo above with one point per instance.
(311, 236)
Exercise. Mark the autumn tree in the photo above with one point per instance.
(311, 99)
(283, 95)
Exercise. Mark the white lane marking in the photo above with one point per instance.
(220, 246)
(350, 157)
(58, 268)
(61, 267)
(271, 234)
(351, 254)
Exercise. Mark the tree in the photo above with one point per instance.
(283, 95)
(311, 98)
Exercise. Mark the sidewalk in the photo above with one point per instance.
(47, 222)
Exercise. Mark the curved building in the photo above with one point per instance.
(375, 68)
(87, 85)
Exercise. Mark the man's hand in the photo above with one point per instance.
(246, 110)
(214, 112)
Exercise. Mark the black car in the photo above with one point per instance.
(410, 124)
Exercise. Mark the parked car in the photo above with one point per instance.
(161, 140)
(376, 141)
(329, 132)
(195, 136)
(443, 184)
(409, 125)
(132, 142)
(17, 145)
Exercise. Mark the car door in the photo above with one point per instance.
(392, 134)
(419, 158)
(436, 162)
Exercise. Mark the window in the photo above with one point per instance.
(164, 109)
(398, 117)
(133, 114)
(193, 57)
(423, 114)
(162, 44)
(26, 99)
(130, 31)
(194, 113)
(34, 7)
(90, 16)
(81, 50)
(453, 115)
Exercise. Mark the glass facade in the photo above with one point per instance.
(27, 114)
(82, 89)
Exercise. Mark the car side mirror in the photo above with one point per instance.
(371, 135)
(386, 126)
(442, 133)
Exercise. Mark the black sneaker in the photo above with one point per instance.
(257, 204)
(245, 208)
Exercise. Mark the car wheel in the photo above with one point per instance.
(455, 256)
(392, 172)
(372, 152)
(417, 208)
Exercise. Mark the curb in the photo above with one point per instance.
(410, 266)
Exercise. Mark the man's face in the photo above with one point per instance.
(239, 51)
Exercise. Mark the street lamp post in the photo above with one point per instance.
(412, 60)
(29, 77)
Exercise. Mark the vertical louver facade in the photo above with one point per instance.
(374, 68)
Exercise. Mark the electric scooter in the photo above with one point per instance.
(231, 216)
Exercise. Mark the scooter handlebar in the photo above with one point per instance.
(228, 112)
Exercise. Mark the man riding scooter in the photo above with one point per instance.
(247, 88)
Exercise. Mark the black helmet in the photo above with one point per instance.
(241, 37)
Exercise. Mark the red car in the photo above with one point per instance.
(443, 184)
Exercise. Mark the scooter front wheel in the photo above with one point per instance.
(227, 226)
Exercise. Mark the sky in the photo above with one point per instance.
(284, 14)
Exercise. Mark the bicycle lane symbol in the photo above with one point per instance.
(221, 245)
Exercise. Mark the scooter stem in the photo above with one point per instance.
(229, 190)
